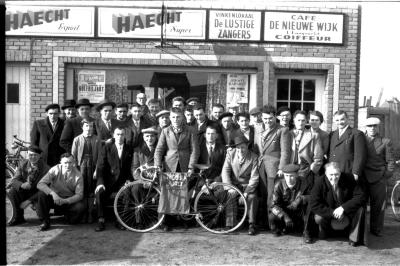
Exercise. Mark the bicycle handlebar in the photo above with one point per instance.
(20, 140)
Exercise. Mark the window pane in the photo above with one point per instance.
(308, 107)
(283, 89)
(295, 89)
(309, 90)
(294, 107)
(12, 93)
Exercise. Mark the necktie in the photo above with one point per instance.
(210, 150)
(108, 125)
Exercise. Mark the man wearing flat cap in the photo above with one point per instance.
(378, 168)
(69, 109)
(46, 134)
(255, 118)
(240, 169)
(105, 125)
(163, 120)
(193, 101)
(227, 127)
(73, 126)
(23, 190)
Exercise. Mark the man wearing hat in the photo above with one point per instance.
(23, 190)
(163, 120)
(105, 125)
(255, 118)
(46, 134)
(288, 204)
(243, 121)
(193, 101)
(378, 168)
(240, 169)
(73, 126)
(217, 111)
(337, 203)
(69, 109)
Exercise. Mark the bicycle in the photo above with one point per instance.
(211, 204)
(395, 198)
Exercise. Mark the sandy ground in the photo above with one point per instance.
(65, 244)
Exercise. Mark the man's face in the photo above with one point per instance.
(33, 157)
(149, 138)
(233, 110)
(176, 119)
(315, 122)
(216, 112)
(242, 149)
(122, 113)
(254, 119)
(87, 129)
(84, 111)
(141, 99)
(226, 122)
(333, 175)
(269, 120)
(211, 135)
(119, 135)
(53, 114)
(189, 116)
(70, 112)
(106, 112)
(243, 122)
(164, 121)
(300, 121)
(290, 179)
(341, 121)
(154, 108)
(178, 104)
(136, 112)
(199, 115)
(372, 130)
(285, 117)
(67, 163)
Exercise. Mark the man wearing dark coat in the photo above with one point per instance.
(46, 134)
(136, 122)
(244, 129)
(202, 122)
(105, 125)
(227, 127)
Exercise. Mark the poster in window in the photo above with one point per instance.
(238, 89)
(91, 85)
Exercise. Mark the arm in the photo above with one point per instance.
(195, 151)
(18, 178)
(35, 135)
(277, 202)
(66, 136)
(78, 191)
(358, 199)
(285, 143)
(360, 153)
(389, 156)
(160, 149)
(74, 149)
(100, 166)
(46, 180)
(317, 202)
(255, 176)
(227, 169)
(318, 154)
(135, 164)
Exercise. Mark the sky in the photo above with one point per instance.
(380, 51)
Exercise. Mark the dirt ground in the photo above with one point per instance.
(80, 244)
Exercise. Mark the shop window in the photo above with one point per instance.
(12, 92)
(296, 93)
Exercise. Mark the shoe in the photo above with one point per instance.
(352, 243)
(252, 230)
(307, 239)
(17, 221)
(322, 234)
(100, 226)
(377, 233)
(119, 226)
(44, 226)
(276, 232)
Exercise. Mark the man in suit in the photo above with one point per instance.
(273, 147)
(69, 109)
(134, 126)
(315, 119)
(202, 122)
(113, 170)
(241, 170)
(216, 111)
(347, 147)
(23, 190)
(378, 168)
(121, 112)
(105, 125)
(284, 116)
(46, 134)
(244, 129)
(72, 127)
(337, 203)
(177, 146)
(227, 127)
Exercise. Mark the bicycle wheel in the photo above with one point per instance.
(395, 201)
(137, 211)
(218, 210)
(11, 210)
(9, 175)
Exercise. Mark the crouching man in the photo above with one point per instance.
(337, 202)
(288, 204)
(61, 188)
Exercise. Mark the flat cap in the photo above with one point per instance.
(162, 112)
(226, 114)
(150, 130)
(192, 99)
(68, 103)
(52, 106)
(290, 168)
(340, 224)
(372, 121)
(35, 149)
(178, 98)
(255, 111)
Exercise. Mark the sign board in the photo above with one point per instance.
(50, 21)
(303, 27)
(234, 25)
(237, 89)
(146, 23)
(92, 85)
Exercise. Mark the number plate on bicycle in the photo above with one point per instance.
(174, 193)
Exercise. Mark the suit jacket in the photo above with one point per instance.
(323, 199)
(380, 159)
(78, 145)
(72, 129)
(216, 159)
(102, 131)
(324, 136)
(184, 150)
(43, 136)
(246, 175)
(309, 151)
(112, 171)
(199, 132)
(237, 132)
(133, 134)
(349, 151)
(273, 147)
(23, 174)
(141, 156)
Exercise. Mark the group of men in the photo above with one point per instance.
(294, 175)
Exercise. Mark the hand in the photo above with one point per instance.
(95, 175)
(295, 204)
(288, 221)
(26, 185)
(62, 202)
(109, 140)
(338, 213)
(279, 173)
(98, 188)
(56, 198)
(190, 172)
(355, 177)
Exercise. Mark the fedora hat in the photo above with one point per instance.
(68, 104)
(103, 103)
(52, 106)
(340, 224)
(239, 140)
(227, 114)
(82, 102)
